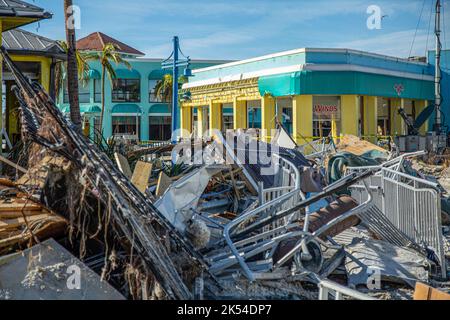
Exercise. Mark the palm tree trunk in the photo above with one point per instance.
(72, 68)
(102, 114)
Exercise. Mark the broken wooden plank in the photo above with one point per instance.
(424, 292)
(164, 183)
(8, 207)
(123, 165)
(18, 222)
(141, 175)
(12, 164)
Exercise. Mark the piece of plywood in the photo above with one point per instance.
(123, 165)
(164, 183)
(141, 175)
(8, 207)
(424, 292)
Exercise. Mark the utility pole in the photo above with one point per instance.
(175, 65)
(176, 47)
(438, 120)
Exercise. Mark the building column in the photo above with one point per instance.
(350, 114)
(145, 125)
(267, 117)
(397, 123)
(107, 123)
(45, 74)
(302, 122)
(371, 118)
(420, 106)
(239, 114)
(215, 116)
(186, 121)
(1, 87)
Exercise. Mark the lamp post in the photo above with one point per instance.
(174, 63)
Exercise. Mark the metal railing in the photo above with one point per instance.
(327, 288)
(411, 204)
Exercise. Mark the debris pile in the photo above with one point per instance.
(215, 219)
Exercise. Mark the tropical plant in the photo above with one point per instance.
(72, 68)
(108, 54)
(164, 87)
(61, 69)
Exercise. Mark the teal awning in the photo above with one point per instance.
(157, 74)
(344, 82)
(126, 109)
(93, 74)
(127, 74)
(160, 108)
(83, 109)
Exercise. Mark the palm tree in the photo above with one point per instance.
(61, 69)
(109, 53)
(164, 87)
(72, 67)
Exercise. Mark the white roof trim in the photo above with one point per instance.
(308, 67)
(243, 76)
(304, 50)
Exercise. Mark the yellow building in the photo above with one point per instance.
(313, 92)
(34, 55)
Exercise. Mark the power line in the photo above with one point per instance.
(417, 27)
(429, 27)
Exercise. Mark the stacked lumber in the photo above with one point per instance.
(23, 222)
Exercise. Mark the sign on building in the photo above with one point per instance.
(326, 108)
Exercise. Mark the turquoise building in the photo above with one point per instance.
(132, 108)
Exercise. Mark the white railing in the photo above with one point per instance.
(327, 288)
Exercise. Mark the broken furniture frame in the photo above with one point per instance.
(321, 149)
(242, 247)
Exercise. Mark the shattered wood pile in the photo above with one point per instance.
(135, 218)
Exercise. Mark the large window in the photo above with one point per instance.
(152, 95)
(84, 92)
(326, 113)
(97, 90)
(126, 90)
(254, 114)
(384, 118)
(126, 125)
(160, 128)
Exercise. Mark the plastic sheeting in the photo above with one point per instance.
(184, 194)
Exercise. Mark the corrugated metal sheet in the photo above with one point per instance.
(21, 40)
(21, 9)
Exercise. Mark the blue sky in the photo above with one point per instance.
(238, 29)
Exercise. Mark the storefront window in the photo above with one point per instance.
(227, 117)
(326, 115)
(383, 117)
(228, 122)
(285, 107)
(126, 90)
(160, 128)
(125, 125)
(254, 114)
